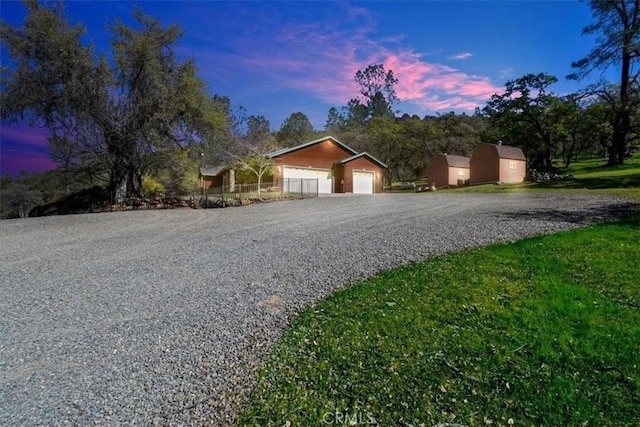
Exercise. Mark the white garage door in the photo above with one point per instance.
(362, 182)
(322, 175)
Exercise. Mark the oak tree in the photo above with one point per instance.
(114, 116)
(617, 24)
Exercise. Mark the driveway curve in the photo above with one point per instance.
(164, 317)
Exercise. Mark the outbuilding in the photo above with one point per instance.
(216, 176)
(448, 170)
(497, 163)
(337, 167)
(359, 174)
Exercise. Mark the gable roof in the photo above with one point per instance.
(364, 154)
(457, 161)
(281, 151)
(509, 152)
(214, 170)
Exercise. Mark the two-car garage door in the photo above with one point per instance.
(322, 175)
(362, 182)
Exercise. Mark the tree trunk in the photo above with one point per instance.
(117, 184)
(134, 182)
(619, 143)
(623, 121)
(120, 191)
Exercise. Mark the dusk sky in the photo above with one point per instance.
(277, 58)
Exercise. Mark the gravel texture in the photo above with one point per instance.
(164, 317)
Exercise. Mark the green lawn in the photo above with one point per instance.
(544, 331)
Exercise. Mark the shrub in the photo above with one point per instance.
(151, 188)
(18, 201)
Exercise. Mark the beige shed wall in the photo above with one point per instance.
(457, 174)
(509, 174)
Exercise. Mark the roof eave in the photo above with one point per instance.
(279, 152)
(363, 154)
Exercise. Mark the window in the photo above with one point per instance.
(513, 164)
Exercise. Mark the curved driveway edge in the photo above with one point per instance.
(163, 317)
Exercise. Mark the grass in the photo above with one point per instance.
(590, 175)
(544, 331)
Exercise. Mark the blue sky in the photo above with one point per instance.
(277, 58)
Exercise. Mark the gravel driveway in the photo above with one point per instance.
(163, 317)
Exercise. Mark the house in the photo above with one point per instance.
(337, 167)
(497, 163)
(216, 176)
(447, 170)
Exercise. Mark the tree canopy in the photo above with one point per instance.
(617, 24)
(139, 113)
(114, 119)
(295, 129)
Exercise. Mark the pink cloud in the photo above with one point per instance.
(435, 86)
(322, 59)
(329, 74)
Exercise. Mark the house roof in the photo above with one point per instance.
(365, 154)
(457, 161)
(509, 152)
(214, 170)
(281, 151)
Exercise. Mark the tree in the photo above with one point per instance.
(524, 115)
(618, 24)
(377, 86)
(295, 129)
(335, 121)
(414, 146)
(225, 126)
(258, 129)
(457, 133)
(18, 200)
(178, 172)
(114, 117)
(583, 127)
(257, 164)
(249, 153)
(387, 143)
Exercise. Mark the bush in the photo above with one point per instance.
(18, 201)
(151, 188)
(87, 200)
